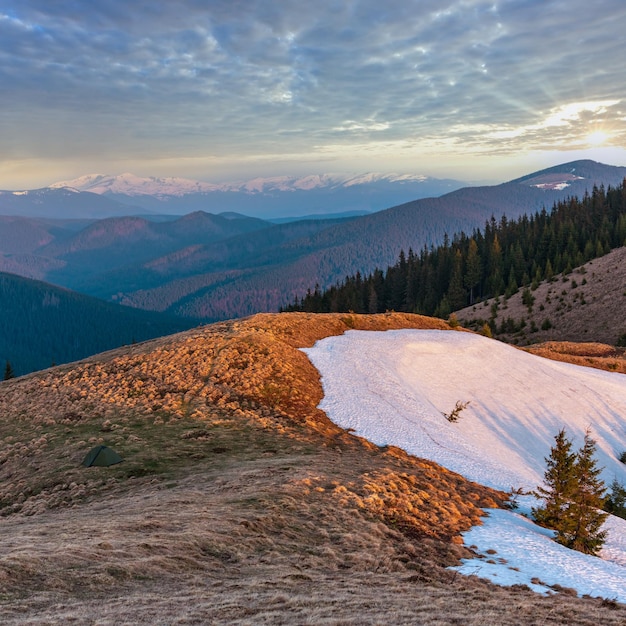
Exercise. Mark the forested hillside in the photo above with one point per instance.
(497, 260)
(43, 325)
(214, 267)
(246, 284)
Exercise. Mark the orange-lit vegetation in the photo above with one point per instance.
(238, 501)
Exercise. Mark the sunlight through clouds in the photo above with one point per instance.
(597, 138)
(574, 117)
(210, 83)
(565, 114)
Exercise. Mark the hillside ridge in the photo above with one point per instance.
(583, 306)
(238, 499)
(209, 267)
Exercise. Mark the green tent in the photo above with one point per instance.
(101, 456)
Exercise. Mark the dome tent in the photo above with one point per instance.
(101, 456)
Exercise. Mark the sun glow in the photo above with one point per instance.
(597, 138)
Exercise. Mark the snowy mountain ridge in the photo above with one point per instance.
(158, 187)
(132, 185)
(295, 196)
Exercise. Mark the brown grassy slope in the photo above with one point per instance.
(598, 355)
(587, 305)
(238, 501)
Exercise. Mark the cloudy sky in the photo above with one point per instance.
(230, 89)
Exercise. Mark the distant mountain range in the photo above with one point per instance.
(212, 267)
(99, 196)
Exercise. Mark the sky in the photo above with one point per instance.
(395, 387)
(225, 90)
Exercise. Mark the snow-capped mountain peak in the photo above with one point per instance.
(131, 185)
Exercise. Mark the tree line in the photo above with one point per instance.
(496, 260)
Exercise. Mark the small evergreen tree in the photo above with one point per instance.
(573, 496)
(616, 502)
(589, 500)
(528, 299)
(559, 480)
(8, 371)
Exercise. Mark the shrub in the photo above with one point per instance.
(528, 299)
(453, 416)
(513, 498)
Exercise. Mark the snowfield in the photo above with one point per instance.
(393, 388)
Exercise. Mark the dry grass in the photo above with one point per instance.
(584, 306)
(598, 355)
(238, 501)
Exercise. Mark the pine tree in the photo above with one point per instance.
(456, 293)
(560, 485)
(495, 282)
(473, 269)
(616, 502)
(548, 272)
(8, 371)
(573, 496)
(589, 499)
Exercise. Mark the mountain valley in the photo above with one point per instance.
(212, 267)
(238, 500)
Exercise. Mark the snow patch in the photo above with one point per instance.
(392, 388)
(554, 186)
(525, 554)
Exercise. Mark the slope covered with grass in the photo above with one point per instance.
(238, 500)
(585, 305)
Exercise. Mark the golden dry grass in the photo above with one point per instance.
(597, 355)
(238, 502)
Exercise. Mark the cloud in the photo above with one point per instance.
(573, 120)
(233, 77)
